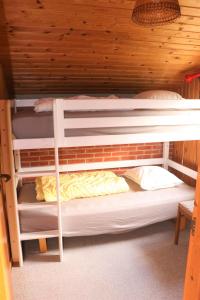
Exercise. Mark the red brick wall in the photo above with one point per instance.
(41, 157)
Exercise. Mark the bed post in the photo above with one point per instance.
(15, 106)
(58, 117)
(17, 162)
(165, 154)
(43, 245)
(17, 159)
(10, 187)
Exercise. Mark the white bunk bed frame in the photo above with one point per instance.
(60, 140)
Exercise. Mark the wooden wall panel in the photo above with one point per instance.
(83, 46)
(6, 292)
(186, 152)
(7, 167)
(192, 278)
(6, 88)
(3, 90)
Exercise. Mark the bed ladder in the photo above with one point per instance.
(26, 206)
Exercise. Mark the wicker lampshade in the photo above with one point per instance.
(156, 12)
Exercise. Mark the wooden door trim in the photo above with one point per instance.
(6, 291)
(192, 278)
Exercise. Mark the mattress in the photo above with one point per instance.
(105, 214)
(28, 124)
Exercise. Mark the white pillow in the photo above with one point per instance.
(84, 97)
(152, 177)
(43, 104)
(80, 97)
(159, 95)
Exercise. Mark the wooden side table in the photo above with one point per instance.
(185, 210)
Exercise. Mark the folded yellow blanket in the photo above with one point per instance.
(80, 185)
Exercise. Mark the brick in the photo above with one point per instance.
(24, 151)
(76, 161)
(87, 155)
(143, 156)
(28, 158)
(128, 157)
(106, 154)
(26, 164)
(71, 151)
(49, 157)
(94, 160)
(157, 147)
(150, 152)
(39, 153)
(111, 158)
(24, 154)
(93, 153)
(95, 150)
(128, 148)
(63, 161)
(120, 153)
(41, 163)
(144, 147)
(138, 152)
(67, 156)
(155, 156)
(112, 149)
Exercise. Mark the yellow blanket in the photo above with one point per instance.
(80, 185)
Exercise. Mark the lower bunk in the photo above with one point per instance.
(103, 214)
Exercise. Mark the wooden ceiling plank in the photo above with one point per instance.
(63, 45)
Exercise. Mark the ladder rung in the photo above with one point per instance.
(35, 174)
(38, 235)
(39, 205)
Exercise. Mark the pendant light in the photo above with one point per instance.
(155, 12)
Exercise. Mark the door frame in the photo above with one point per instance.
(6, 290)
(192, 277)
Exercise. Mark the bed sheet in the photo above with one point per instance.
(28, 124)
(105, 214)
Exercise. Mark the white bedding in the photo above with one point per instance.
(40, 125)
(106, 214)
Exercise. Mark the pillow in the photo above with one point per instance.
(84, 97)
(159, 95)
(46, 104)
(43, 104)
(152, 177)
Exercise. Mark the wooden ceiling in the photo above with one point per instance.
(77, 46)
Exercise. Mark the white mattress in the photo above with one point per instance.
(105, 214)
(132, 130)
(28, 124)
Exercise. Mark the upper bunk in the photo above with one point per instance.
(73, 123)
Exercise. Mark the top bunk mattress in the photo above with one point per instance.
(30, 125)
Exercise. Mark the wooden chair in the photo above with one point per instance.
(185, 210)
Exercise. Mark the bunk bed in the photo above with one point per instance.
(77, 123)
